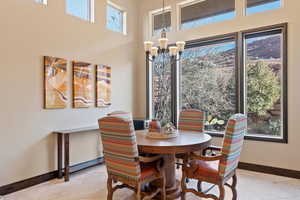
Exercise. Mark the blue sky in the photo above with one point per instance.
(78, 8)
(208, 20)
(201, 51)
(249, 41)
(264, 7)
(114, 19)
(231, 15)
(218, 48)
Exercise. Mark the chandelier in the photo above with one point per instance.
(174, 51)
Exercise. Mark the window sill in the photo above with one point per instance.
(255, 138)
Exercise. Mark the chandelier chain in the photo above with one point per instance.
(164, 17)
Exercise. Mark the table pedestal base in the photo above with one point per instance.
(172, 185)
(173, 193)
(185, 142)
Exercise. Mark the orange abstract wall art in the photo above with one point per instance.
(55, 81)
(82, 85)
(103, 86)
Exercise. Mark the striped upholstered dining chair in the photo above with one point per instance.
(190, 120)
(123, 162)
(220, 168)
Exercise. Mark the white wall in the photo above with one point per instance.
(264, 153)
(30, 31)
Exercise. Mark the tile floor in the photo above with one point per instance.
(91, 185)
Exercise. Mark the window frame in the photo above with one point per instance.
(124, 13)
(215, 40)
(239, 38)
(173, 90)
(91, 11)
(189, 3)
(44, 2)
(284, 85)
(159, 11)
(269, 10)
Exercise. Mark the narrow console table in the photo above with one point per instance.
(63, 137)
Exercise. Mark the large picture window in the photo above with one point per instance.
(208, 74)
(161, 90)
(264, 82)
(243, 72)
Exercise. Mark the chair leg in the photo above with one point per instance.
(222, 192)
(187, 180)
(163, 187)
(233, 187)
(177, 166)
(109, 188)
(183, 186)
(199, 186)
(139, 192)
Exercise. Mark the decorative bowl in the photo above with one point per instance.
(162, 135)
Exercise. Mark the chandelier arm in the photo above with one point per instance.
(165, 54)
(179, 58)
(150, 59)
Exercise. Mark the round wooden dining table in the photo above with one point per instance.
(185, 142)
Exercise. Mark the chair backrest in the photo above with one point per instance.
(120, 147)
(122, 114)
(233, 143)
(191, 120)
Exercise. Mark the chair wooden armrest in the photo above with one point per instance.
(214, 148)
(206, 158)
(149, 159)
(157, 160)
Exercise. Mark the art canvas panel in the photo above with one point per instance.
(55, 76)
(82, 84)
(103, 85)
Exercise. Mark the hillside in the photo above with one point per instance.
(264, 49)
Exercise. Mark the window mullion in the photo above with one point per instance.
(148, 88)
(174, 89)
(240, 73)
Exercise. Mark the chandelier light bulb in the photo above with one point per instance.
(180, 45)
(173, 50)
(163, 43)
(148, 45)
(154, 51)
